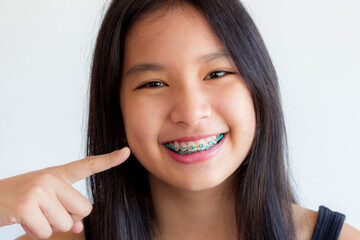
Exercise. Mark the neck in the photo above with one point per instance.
(184, 214)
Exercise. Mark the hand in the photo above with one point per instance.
(44, 201)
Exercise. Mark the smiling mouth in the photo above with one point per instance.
(189, 147)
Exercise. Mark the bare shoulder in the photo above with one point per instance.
(60, 236)
(305, 220)
(349, 233)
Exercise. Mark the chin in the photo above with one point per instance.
(201, 184)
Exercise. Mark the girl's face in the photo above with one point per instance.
(180, 91)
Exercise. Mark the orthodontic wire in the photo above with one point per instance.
(192, 147)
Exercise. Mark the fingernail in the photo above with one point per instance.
(125, 152)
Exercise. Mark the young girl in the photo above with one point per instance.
(189, 87)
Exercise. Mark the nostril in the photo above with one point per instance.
(190, 114)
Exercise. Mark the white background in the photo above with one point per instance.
(45, 56)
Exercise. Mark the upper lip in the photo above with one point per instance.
(192, 138)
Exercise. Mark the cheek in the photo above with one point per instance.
(142, 123)
(135, 123)
(238, 110)
(247, 110)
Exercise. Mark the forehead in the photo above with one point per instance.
(180, 31)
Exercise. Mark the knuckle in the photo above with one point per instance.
(25, 207)
(45, 233)
(88, 208)
(22, 208)
(29, 200)
(31, 195)
(44, 177)
(42, 231)
(66, 225)
(34, 190)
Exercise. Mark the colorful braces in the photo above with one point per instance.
(193, 149)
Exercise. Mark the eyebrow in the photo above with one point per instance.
(145, 67)
(222, 53)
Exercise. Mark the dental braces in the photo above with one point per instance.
(192, 148)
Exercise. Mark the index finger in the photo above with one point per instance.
(75, 171)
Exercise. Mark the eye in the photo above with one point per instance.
(152, 84)
(216, 74)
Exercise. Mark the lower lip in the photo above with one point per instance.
(198, 156)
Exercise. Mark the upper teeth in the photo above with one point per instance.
(194, 146)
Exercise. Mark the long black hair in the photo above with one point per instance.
(122, 206)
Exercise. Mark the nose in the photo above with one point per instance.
(191, 106)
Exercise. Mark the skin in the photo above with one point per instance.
(192, 201)
(44, 201)
(200, 195)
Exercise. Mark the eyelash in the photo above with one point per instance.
(153, 84)
(156, 84)
(223, 73)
